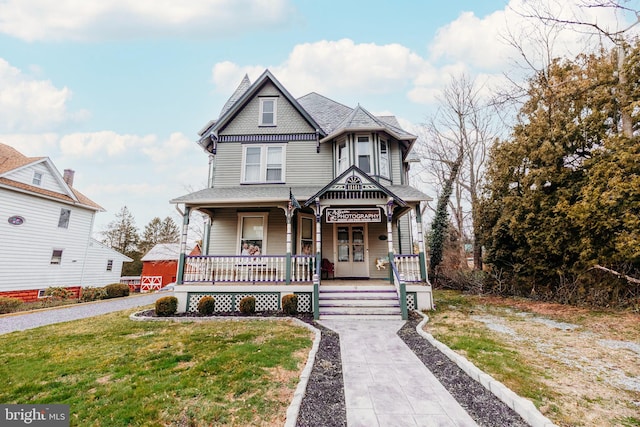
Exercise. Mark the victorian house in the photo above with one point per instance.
(305, 196)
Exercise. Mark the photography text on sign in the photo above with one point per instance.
(353, 215)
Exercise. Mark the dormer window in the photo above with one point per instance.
(37, 178)
(268, 110)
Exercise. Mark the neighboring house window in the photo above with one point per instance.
(268, 110)
(63, 221)
(384, 159)
(305, 227)
(110, 265)
(252, 232)
(37, 178)
(56, 256)
(263, 163)
(343, 157)
(364, 154)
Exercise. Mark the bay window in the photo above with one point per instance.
(364, 154)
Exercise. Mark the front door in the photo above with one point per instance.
(351, 249)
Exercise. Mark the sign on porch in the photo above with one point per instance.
(353, 215)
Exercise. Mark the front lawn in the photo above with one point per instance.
(116, 372)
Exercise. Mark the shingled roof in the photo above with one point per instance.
(11, 160)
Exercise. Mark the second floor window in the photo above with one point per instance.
(268, 109)
(263, 163)
(384, 159)
(109, 265)
(343, 157)
(364, 154)
(63, 221)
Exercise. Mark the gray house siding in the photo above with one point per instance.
(305, 166)
(228, 165)
(288, 120)
(224, 232)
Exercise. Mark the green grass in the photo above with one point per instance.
(116, 372)
(483, 349)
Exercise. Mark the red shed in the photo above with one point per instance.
(160, 265)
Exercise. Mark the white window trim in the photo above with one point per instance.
(39, 177)
(265, 222)
(387, 173)
(263, 163)
(275, 111)
(357, 160)
(64, 226)
(52, 256)
(311, 217)
(346, 158)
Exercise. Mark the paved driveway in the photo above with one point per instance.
(34, 319)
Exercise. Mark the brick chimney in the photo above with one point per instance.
(68, 176)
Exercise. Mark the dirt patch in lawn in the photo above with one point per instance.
(589, 361)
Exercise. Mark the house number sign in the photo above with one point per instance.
(353, 215)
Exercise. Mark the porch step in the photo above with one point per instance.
(359, 301)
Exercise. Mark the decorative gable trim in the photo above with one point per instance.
(354, 184)
(211, 134)
(269, 138)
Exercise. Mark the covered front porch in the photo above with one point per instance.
(261, 241)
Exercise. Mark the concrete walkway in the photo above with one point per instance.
(385, 384)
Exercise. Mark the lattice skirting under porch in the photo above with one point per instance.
(412, 301)
(265, 301)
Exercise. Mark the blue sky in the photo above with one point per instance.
(117, 90)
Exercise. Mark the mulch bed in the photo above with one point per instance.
(482, 405)
(324, 401)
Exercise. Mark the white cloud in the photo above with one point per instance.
(30, 104)
(34, 20)
(103, 143)
(482, 42)
(335, 67)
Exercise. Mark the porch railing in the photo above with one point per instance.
(399, 282)
(241, 268)
(409, 267)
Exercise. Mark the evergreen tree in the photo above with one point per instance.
(159, 231)
(122, 233)
(562, 192)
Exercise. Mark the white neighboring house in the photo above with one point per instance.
(45, 231)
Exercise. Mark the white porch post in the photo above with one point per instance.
(289, 214)
(183, 244)
(389, 212)
(318, 237)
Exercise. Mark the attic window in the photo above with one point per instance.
(37, 178)
(268, 110)
(110, 265)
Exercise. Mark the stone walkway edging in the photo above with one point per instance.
(523, 407)
(294, 407)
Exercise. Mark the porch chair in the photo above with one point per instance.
(326, 269)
